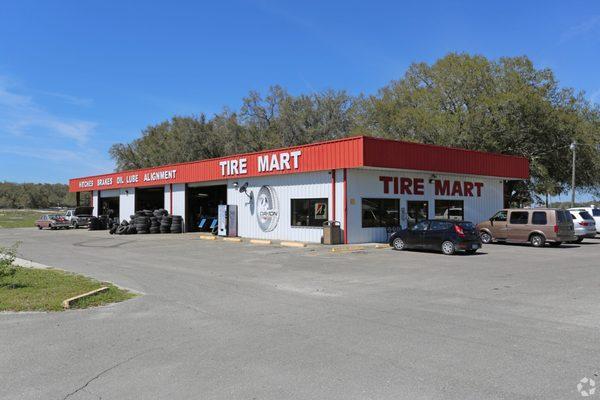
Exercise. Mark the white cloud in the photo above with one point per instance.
(589, 26)
(69, 99)
(22, 116)
(83, 158)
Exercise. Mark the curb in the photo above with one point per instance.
(204, 237)
(260, 241)
(293, 244)
(67, 303)
(347, 249)
(232, 239)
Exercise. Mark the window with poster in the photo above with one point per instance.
(309, 212)
(450, 209)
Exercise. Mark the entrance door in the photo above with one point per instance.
(417, 211)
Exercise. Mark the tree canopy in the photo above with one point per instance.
(36, 195)
(468, 101)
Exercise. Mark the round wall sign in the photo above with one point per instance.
(267, 207)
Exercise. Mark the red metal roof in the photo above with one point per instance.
(353, 152)
(385, 153)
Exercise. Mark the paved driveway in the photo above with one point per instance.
(237, 321)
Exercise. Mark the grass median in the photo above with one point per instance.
(19, 218)
(30, 289)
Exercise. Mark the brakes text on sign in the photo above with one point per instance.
(264, 163)
(416, 186)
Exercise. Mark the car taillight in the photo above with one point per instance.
(459, 231)
(584, 223)
(555, 228)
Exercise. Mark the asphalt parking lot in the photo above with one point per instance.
(221, 320)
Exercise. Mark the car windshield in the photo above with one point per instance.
(586, 215)
(466, 225)
(55, 216)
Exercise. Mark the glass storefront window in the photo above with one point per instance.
(380, 213)
(309, 212)
(450, 209)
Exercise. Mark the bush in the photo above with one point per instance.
(7, 258)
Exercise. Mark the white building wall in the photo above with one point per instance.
(126, 203)
(286, 187)
(365, 183)
(179, 202)
(95, 196)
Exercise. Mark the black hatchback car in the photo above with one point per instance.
(446, 235)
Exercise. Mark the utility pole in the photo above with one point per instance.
(573, 147)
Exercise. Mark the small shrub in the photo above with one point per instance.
(7, 258)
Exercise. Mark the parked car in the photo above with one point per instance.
(445, 235)
(593, 211)
(537, 226)
(80, 216)
(52, 221)
(585, 226)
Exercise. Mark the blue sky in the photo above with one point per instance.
(77, 76)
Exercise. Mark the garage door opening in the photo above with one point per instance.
(109, 206)
(202, 206)
(149, 198)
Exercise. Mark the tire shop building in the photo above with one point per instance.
(366, 184)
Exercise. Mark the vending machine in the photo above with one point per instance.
(227, 220)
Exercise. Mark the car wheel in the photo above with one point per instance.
(579, 240)
(537, 240)
(39, 227)
(398, 244)
(485, 237)
(448, 248)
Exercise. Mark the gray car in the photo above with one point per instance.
(584, 224)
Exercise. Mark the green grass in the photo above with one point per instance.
(32, 289)
(19, 218)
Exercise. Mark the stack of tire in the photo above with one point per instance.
(142, 224)
(154, 225)
(99, 223)
(165, 224)
(124, 228)
(176, 224)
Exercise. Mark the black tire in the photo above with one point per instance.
(579, 240)
(398, 244)
(448, 248)
(122, 229)
(39, 227)
(74, 225)
(537, 240)
(485, 237)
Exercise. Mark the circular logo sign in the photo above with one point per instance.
(267, 209)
